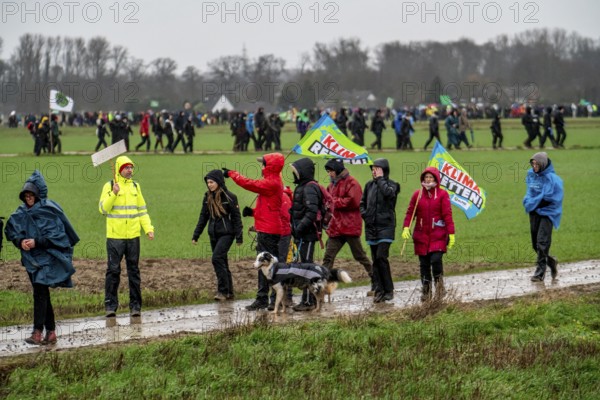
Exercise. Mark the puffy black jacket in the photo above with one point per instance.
(307, 202)
(228, 224)
(378, 205)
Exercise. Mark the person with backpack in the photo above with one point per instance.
(345, 225)
(124, 207)
(306, 206)
(378, 210)
(220, 210)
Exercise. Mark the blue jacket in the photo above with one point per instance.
(544, 194)
(50, 263)
(250, 123)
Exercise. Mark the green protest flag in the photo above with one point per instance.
(325, 140)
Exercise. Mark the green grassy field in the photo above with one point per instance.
(581, 133)
(541, 347)
(173, 186)
(546, 346)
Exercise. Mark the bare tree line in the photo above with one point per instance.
(537, 66)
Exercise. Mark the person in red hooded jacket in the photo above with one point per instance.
(267, 218)
(145, 133)
(434, 230)
(346, 224)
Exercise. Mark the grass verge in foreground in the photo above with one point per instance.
(543, 346)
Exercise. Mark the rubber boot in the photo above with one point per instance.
(440, 290)
(539, 274)
(426, 292)
(553, 264)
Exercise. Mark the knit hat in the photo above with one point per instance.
(335, 165)
(216, 175)
(123, 166)
(541, 158)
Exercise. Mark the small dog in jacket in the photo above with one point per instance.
(317, 279)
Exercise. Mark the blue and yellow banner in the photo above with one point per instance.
(325, 140)
(464, 192)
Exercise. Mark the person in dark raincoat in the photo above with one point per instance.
(221, 212)
(42, 232)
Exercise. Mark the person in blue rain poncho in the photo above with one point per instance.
(543, 202)
(42, 232)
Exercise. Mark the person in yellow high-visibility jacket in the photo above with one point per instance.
(123, 205)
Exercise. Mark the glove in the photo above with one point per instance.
(406, 233)
(247, 212)
(226, 172)
(451, 241)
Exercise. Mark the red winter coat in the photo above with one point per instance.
(286, 204)
(346, 193)
(267, 217)
(145, 125)
(433, 219)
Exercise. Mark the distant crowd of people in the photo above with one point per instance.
(170, 129)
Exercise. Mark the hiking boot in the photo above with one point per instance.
(388, 297)
(35, 338)
(304, 307)
(50, 337)
(110, 313)
(553, 264)
(230, 296)
(257, 305)
(370, 293)
(537, 278)
(220, 296)
(378, 297)
(135, 313)
(271, 307)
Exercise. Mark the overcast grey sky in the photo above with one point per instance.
(195, 32)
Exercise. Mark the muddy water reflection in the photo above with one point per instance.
(210, 317)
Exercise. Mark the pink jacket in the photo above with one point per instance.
(433, 218)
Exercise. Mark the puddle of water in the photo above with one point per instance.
(204, 318)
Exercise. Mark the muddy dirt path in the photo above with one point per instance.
(204, 318)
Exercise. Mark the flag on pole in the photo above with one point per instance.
(464, 192)
(389, 103)
(446, 100)
(60, 102)
(327, 141)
